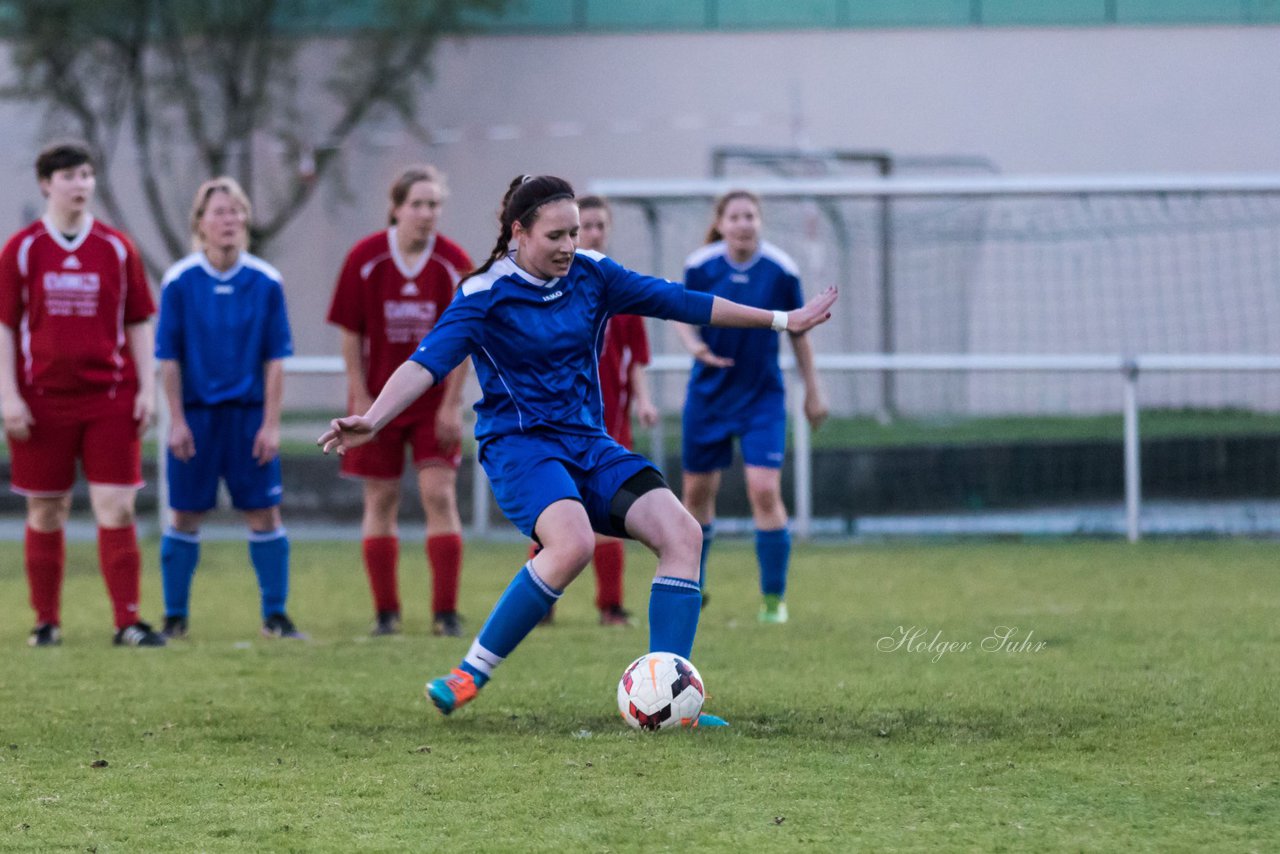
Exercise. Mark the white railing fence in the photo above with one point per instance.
(1128, 370)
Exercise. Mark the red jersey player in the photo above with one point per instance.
(394, 285)
(623, 356)
(77, 381)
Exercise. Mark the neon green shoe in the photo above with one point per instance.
(774, 610)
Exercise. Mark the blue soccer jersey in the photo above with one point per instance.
(222, 328)
(753, 385)
(536, 344)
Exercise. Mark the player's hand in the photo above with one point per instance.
(346, 433)
(144, 410)
(812, 313)
(17, 418)
(816, 409)
(181, 442)
(704, 355)
(449, 428)
(266, 445)
(646, 414)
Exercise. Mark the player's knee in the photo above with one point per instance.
(114, 508)
(48, 514)
(439, 503)
(263, 519)
(681, 538)
(765, 498)
(381, 499)
(571, 548)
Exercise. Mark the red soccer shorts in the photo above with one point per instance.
(106, 442)
(383, 458)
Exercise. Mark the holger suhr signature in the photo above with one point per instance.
(918, 639)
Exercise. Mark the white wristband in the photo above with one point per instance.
(779, 321)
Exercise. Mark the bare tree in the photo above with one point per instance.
(196, 88)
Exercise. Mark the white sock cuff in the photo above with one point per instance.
(482, 659)
(672, 581)
(174, 534)
(542, 585)
(267, 536)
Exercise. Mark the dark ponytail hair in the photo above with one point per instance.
(713, 233)
(525, 195)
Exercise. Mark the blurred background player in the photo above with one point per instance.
(736, 389)
(532, 319)
(623, 382)
(76, 382)
(222, 340)
(393, 286)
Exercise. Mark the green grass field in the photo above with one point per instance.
(1147, 721)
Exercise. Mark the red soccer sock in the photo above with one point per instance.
(444, 551)
(380, 557)
(46, 556)
(608, 560)
(121, 564)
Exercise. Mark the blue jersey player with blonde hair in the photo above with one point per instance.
(736, 390)
(221, 342)
(532, 320)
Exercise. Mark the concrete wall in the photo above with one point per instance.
(1031, 100)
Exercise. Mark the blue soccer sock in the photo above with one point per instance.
(269, 553)
(525, 602)
(179, 556)
(773, 551)
(708, 537)
(674, 607)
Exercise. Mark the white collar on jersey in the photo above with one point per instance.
(59, 238)
(527, 277)
(408, 272)
(221, 275)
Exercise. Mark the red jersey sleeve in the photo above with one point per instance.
(11, 283)
(138, 303)
(346, 308)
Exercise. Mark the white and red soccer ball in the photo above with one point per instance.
(660, 690)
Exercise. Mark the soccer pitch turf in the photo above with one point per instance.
(1131, 706)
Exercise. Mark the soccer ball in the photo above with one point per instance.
(660, 690)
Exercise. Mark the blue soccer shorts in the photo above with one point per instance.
(531, 471)
(707, 441)
(224, 450)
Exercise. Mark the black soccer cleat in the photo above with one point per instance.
(139, 634)
(446, 624)
(45, 634)
(386, 623)
(616, 615)
(175, 628)
(280, 626)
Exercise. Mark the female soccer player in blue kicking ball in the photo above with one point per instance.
(532, 321)
(736, 390)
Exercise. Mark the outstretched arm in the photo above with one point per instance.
(817, 310)
(409, 382)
